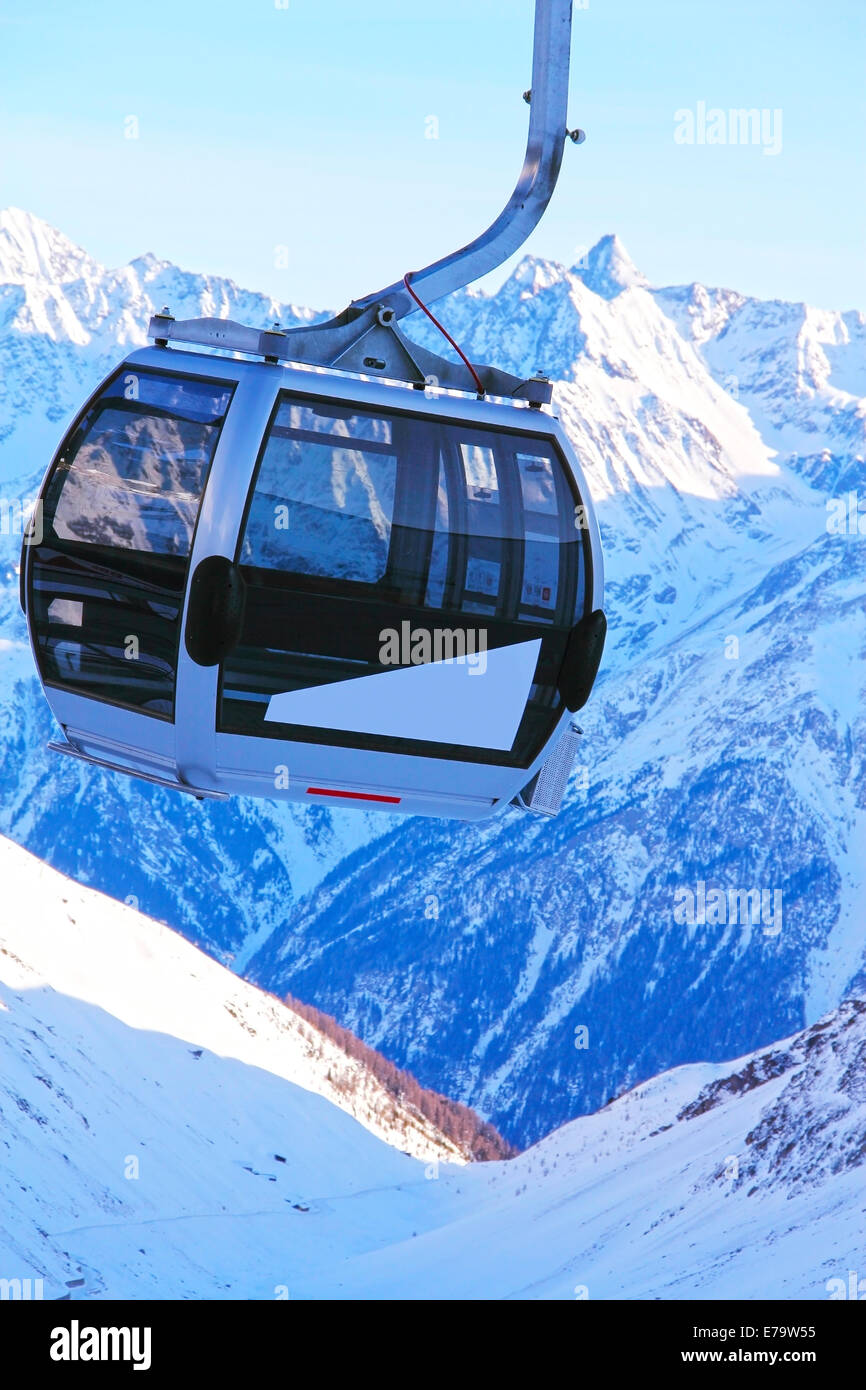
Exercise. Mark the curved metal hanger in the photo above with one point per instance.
(548, 108)
(364, 338)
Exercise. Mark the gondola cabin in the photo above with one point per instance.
(282, 582)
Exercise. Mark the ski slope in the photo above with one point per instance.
(169, 1131)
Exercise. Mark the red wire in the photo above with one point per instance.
(444, 332)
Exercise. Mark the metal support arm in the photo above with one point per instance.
(364, 337)
(548, 113)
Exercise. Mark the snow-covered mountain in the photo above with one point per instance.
(170, 1132)
(743, 1181)
(722, 744)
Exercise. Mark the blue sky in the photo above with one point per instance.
(304, 128)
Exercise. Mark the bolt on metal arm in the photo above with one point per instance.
(547, 133)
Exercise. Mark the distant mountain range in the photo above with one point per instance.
(722, 747)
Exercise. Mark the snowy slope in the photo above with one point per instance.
(723, 743)
(735, 1182)
(169, 1132)
(62, 943)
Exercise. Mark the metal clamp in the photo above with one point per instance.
(370, 345)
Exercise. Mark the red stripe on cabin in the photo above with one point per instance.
(353, 796)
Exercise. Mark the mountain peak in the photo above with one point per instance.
(31, 247)
(535, 273)
(607, 269)
(148, 266)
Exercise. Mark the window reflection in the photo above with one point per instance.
(120, 509)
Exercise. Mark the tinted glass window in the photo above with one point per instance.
(133, 471)
(360, 520)
(119, 510)
(324, 496)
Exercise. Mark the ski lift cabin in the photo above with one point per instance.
(323, 563)
(270, 581)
